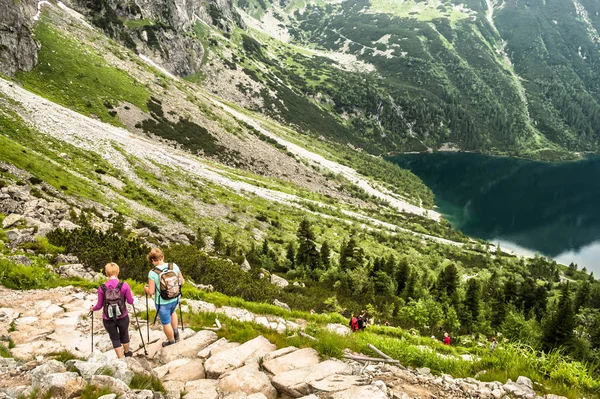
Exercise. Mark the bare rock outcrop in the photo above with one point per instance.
(18, 49)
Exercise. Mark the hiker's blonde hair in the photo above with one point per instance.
(111, 269)
(155, 255)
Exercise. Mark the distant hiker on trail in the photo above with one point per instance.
(354, 323)
(446, 339)
(167, 277)
(361, 323)
(111, 299)
(494, 344)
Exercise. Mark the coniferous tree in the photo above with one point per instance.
(472, 303)
(265, 250)
(290, 254)
(558, 329)
(402, 276)
(325, 254)
(200, 240)
(218, 242)
(307, 254)
(582, 296)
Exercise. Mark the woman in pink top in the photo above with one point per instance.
(111, 299)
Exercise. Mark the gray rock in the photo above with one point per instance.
(290, 360)
(18, 49)
(231, 359)
(62, 385)
(366, 391)
(279, 281)
(297, 383)
(248, 380)
(245, 265)
(77, 270)
(338, 329)
(67, 225)
(66, 259)
(20, 259)
(114, 385)
(13, 235)
(187, 348)
(280, 304)
(236, 313)
(9, 205)
(521, 380)
(201, 389)
(11, 220)
(50, 367)
(109, 396)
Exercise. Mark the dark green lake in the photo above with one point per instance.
(528, 206)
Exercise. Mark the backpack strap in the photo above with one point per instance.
(170, 266)
(157, 270)
(103, 286)
(119, 285)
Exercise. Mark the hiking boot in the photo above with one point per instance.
(176, 335)
(167, 343)
(129, 354)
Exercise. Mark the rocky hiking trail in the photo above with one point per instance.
(43, 323)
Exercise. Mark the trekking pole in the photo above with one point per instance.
(139, 330)
(147, 320)
(181, 316)
(91, 314)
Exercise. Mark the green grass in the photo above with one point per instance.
(64, 356)
(142, 381)
(50, 171)
(71, 74)
(4, 351)
(94, 392)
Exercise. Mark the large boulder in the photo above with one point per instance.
(50, 367)
(207, 352)
(280, 304)
(114, 385)
(279, 281)
(297, 383)
(183, 370)
(290, 360)
(201, 389)
(187, 348)
(248, 380)
(77, 270)
(61, 385)
(364, 391)
(338, 329)
(236, 313)
(195, 306)
(231, 359)
(11, 220)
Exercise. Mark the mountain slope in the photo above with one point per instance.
(504, 78)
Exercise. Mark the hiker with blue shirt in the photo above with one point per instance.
(165, 281)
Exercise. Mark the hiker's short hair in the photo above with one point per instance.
(155, 254)
(111, 269)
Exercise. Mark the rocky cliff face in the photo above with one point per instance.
(164, 31)
(18, 49)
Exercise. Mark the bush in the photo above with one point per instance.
(21, 277)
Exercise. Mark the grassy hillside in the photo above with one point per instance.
(516, 80)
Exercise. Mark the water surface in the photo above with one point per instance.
(528, 206)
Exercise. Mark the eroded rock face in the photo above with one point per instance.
(18, 49)
(171, 43)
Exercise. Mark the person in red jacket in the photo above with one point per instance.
(446, 339)
(354, 323)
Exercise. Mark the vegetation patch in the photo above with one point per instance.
(73, 75)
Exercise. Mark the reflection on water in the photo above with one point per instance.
(550, 208)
